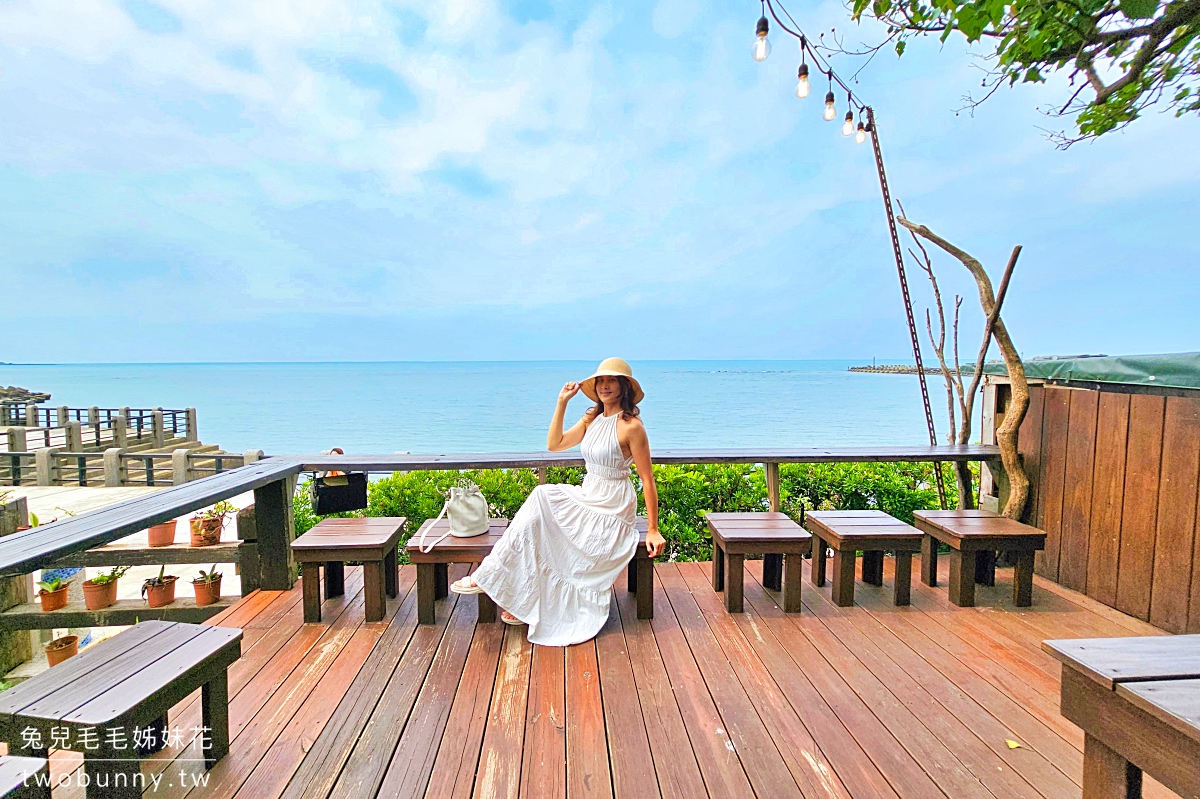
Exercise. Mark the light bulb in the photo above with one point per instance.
(861, 136)
(802, 87)
(848, 125)
(762, 45)
(830, 107)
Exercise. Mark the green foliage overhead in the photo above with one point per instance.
(686, 493)
(1122, 56)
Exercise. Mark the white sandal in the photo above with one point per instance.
(460, 587)
(510, 619)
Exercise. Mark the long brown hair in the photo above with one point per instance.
(629, 408)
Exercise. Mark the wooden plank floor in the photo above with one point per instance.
(870, 701)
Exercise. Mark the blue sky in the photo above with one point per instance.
(316, 180)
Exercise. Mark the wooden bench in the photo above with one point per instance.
(1137, 701)
(736, 535)
(872, 532)
(124, 683)
(24, 777)
(371, 541)
(433, 575)
(974, 537)
(433, 580)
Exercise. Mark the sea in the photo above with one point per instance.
(456, 407)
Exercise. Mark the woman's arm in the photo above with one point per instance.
(556, 439)
(639, 448)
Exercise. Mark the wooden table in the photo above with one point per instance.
(1138, 703)
(24, 777)
(433, 576)
(123, 683)
(332, 543)
(974, 537)
(736, 535)
(872, 532)
(433, 581)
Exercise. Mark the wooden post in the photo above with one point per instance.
(273, 517)
(114, 467)
(541, 473)
(772, 470)
(15, 646)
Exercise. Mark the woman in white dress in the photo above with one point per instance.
(555, 565)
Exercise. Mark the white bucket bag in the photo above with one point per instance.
(467, 510)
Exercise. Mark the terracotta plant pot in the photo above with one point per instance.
(97, 596)
(60, 649)
(162, 535)
(159, 595)
(53, 600)
(207, 592)
(206, 532)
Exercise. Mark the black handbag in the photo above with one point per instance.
(339, 493)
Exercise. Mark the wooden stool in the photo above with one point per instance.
(974, 536)
(126, 682)
(433, 580)
(371, 541)
(871, 531)
(736, 535)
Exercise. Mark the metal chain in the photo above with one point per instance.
(912, 324)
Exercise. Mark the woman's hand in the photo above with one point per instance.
(569, 390)
(655, 543)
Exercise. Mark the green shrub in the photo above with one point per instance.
(685, 494)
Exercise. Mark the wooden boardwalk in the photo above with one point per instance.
(870, 702)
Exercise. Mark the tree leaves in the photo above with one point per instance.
(1139, 9)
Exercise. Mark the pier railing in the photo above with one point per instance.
(76, 429)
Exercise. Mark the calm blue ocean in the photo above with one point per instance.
(474, 407)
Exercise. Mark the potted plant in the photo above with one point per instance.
(53, 593)
(208, 586)
(160, 590)
(162, 535)
(60, 649)
(101, 591)
(207, 526)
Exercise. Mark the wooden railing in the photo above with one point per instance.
(273, 482)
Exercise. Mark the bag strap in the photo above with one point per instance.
(443, 537)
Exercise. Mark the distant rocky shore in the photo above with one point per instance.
(903, 369)
(18, 394)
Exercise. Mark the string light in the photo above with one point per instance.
(762, 49)
(762, 45)
(802, 86)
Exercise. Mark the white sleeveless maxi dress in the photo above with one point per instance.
(555, 565)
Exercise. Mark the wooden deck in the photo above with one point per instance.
(870, 702)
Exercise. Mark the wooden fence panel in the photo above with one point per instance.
(1194, 605)
(1054, 457)
(1029, 444)
(1077, 491)
(1139, 516)
(1108, 491)
(1173, 544)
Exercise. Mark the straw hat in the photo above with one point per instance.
(615, 367)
